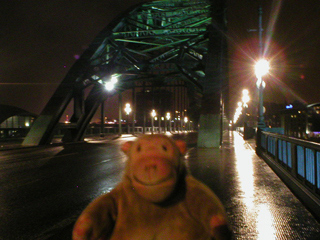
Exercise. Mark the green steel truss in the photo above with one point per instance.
(161, 40)
(156, 42)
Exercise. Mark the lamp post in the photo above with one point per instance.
(109, 86)
(245, 97)
(153, 114)
(245, 100)
(261, 69)
(237, 113)
(128, 111)
(185, 123)
(168, 118)
(160, 120)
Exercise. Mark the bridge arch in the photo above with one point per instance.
(156, 44)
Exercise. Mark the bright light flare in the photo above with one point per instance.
(168, 116)
(245, 96)
(128, 109)
(238, 112)
(114, 79)
(262, 68)
(111, 84)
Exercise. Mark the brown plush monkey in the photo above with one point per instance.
(156, 199)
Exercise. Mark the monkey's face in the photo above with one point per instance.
(154, 163)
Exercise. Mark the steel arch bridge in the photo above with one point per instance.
(156, 44)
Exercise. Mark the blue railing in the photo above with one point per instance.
(296, 161)
(300, 158)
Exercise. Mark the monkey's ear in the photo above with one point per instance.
(126, 147)
(182, 146)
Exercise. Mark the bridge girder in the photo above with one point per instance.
(159, 41)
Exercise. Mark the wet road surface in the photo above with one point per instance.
(43, 190)
(258, 203)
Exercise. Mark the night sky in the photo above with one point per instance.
(40, 41)
(291, 44)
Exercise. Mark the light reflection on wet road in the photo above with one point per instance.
(262, 207)
(258, 204)
(43, 190)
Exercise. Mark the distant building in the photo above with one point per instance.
(14, 121)
(313, 119)
(301, 121)
(294, 122)
(271, 115)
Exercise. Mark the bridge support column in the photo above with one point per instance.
(209, 134)
(214, 94)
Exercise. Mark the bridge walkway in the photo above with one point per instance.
(258, 203)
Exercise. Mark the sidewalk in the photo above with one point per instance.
(258, 203)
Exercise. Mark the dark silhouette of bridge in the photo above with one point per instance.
(171, 55)
(176, 47)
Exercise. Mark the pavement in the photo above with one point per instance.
(258, 204)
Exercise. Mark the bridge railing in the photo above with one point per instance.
(297, 162)
(93, 131)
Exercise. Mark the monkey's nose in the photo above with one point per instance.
(151, 167)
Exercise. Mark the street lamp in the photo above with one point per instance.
(109, 85)
(153, 114)
(168, 116)
(185, 123)
(128, 111)
(261, 68)
(238, 112)
(245, 100)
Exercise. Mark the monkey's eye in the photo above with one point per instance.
(164, 147)
(138, 148)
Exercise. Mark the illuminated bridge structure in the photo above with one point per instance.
(175, 46)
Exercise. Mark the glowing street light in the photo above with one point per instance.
(185, 122)
(238, 112)
(261, 68)
(128, 111)
(153, 114)
(245, 98)
(168, 117)
(109, 85)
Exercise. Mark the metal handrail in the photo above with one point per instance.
(301, 158)
(296, 161)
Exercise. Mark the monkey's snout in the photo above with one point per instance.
(152, 167)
